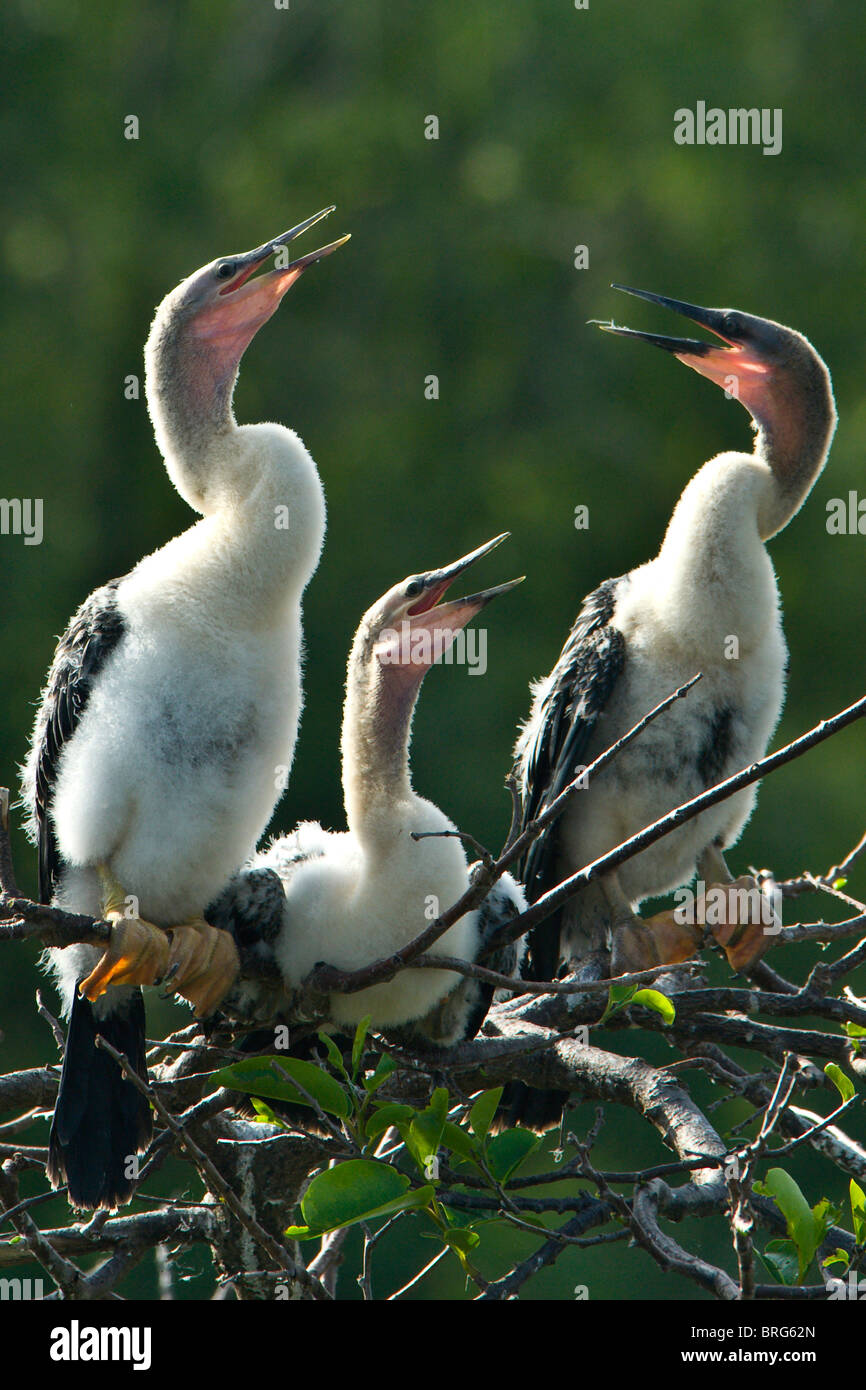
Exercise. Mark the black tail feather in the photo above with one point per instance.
(539, 1110)
(100, 1119)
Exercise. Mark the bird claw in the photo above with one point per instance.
(640, 944)
(137, 954)
(203, 964)
(743, 942)
(658, 940)
(196, 960)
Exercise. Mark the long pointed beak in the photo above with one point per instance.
(301, 227)
(437, 582)
(711, 360)
(694, 347)
(440, 621)
(249, 262)
(713, 319)
(243, 304)
(458, 612)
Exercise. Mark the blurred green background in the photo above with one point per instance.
(555, 130)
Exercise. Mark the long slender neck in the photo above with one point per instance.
(795, 429)
(377, 718)
(256, 484)
(712, 576)
(189, 396)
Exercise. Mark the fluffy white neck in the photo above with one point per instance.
(712, 575)
(248, 562)
(256, 485)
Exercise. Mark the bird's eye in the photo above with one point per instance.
(414, 588)
(225, 271)
(733, 326)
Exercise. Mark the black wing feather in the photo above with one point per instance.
(90, 638)
(99, 1118)
(584, 676)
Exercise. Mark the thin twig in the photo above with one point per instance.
(516, 986)
(53, 1023)
(487, 859)
(66, 1275)
(416, 1278)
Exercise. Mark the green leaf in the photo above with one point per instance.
(439, 1103)
(620, 994)
(335, 1056)
(839, 1257)
(617, 997)
(839, 882)
(855, 1030)
(256, 1076)
(858, 1211)
(460, 1141)
(658, 1002)
(781, 1260)
(844, 1085)
(806, 1227)
(482, 1113)
(357, 1190)
(264, 1113)
(422, 1137)
(384, 1067)
(386, 1116)
(506, 1151)
(461, 1238)
(358, 1044)
(826, 1213)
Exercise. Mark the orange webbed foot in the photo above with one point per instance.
(137, 954)
(657, 940)
(740, 918)
(203, 964)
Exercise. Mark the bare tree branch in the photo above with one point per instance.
(530, 1038)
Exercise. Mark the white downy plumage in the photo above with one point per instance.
(354, 897)
(175, 693)
(707, 603)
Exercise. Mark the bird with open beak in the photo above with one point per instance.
(707, 603)
(173, 696)
(355, 897)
